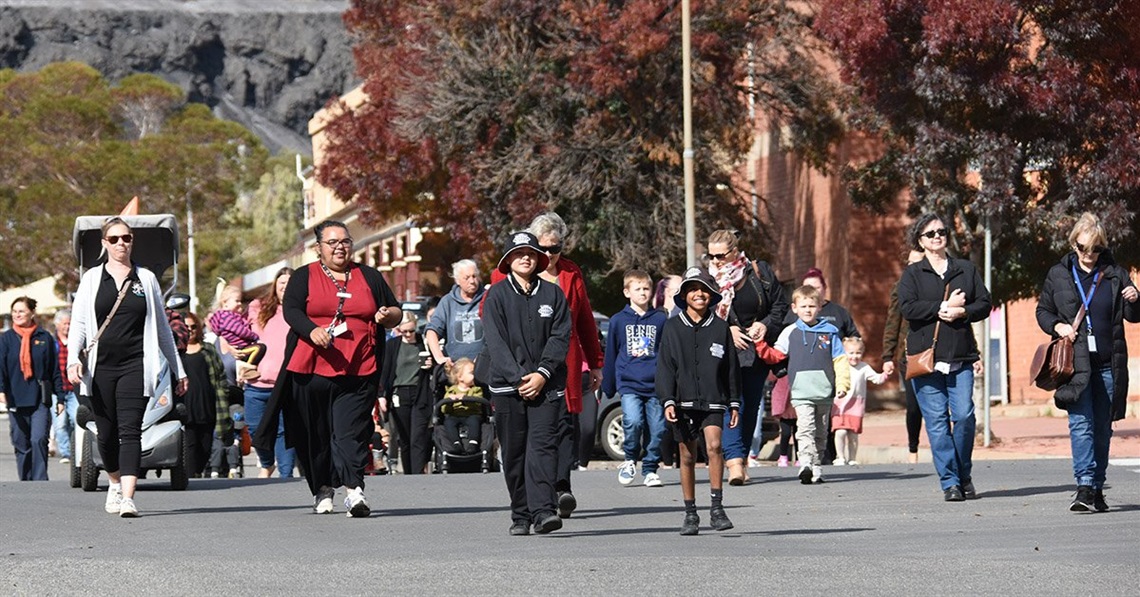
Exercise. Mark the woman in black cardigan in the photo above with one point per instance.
(406, 394)
(1097, 394)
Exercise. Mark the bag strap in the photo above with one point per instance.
(938, 323)
(118, 301)
(1081, 312)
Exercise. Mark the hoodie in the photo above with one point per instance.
(817, 363)
(457, 321)
(631, 352)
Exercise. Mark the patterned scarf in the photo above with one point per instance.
(727, 276)
(26, 349)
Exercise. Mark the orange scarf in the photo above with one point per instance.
(26, 349)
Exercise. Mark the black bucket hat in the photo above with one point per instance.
(523, 240)
(696, 275)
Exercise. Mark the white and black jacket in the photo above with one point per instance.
(524, 332)
(697, 367)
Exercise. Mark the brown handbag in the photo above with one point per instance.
(1052, 365)
(922, 363)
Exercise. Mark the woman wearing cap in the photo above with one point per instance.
(754, 305)
(337, 310)
(527, 331)
(1097, 394)
(29, 366)
(124, 365)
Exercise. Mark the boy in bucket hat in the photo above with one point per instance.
(523, 364)
(697, 381)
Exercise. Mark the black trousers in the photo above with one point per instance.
(473, 423)
(117, 404)
(200, 441)
(529, 435)
(412, 420)
(577, 443)
(336, 413)
(913, 413)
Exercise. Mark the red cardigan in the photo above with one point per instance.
(585, 348)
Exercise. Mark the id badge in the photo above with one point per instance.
(344, 295)
(339, 329)
(1092, 343)
(395, 401)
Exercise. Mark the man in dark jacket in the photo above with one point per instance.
(523, 364)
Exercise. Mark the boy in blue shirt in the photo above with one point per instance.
(629, 369)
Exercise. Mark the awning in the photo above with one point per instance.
(43, 291)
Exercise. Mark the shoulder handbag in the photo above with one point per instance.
(83, 352)
(922, 363)
(1052, 365)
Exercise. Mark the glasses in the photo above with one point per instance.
(718, 256)
(1093, 250)
(936, 233)
(406, 332)
(115, 238)
(552, 249)
(191, 326)
(333, 243)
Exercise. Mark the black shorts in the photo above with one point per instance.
(690, 424)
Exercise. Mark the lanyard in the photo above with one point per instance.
(1086, 300)
(341, 293)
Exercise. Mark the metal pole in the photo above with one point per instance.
(986, 362)
(190, 256)
(687, 155)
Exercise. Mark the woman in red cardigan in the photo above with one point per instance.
(583, 360)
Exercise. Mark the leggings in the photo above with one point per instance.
(913, 413)
(787, 435)
(117, 403)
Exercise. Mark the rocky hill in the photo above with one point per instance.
(268, 64)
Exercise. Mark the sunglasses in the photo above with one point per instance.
(191, 326)
(552, 249)
(406, 332)
(333, 243)
(718, 256)
(935, 233)
(1093, 250)
(115, 238)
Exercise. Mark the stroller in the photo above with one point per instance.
(447, 459)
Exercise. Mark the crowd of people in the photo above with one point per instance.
(319, 362)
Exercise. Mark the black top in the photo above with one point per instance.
(760, 298)
(122, 341)
(1100, 316)
(921, 291)
(525, 332)
(200, 398)
(697, 366)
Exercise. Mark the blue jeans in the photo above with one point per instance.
(637, 413)
(255, 402)
(1090, 429)
(751, 408)
(29, 426)
(63, 423)
(947, 404)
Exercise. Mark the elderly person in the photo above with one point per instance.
(119, 320)
(456, 319)
(337, 310)
(66, 404)
(945, 293)
(1097, 394)
(29, 374)
(754, 304)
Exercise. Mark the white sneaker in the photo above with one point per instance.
(816, 474)
(323, 504)
(839, 462)
(114, 499)
(652, 480)
(355, 503)
(627, 472)
(852, 463)
(127, 509)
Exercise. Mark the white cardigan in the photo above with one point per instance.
(157, 337)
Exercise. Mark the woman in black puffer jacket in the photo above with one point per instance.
(1096, 395)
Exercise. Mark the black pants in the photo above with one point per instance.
(576, 445)
(336, 413)
(787, 435)
(473, 423)
(117, 404)
(913, 413)
(412, 420)
(200, 443)
(529, 435)
(224, 455)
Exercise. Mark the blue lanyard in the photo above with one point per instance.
(1086, 300)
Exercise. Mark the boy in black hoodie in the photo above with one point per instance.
(697, 380)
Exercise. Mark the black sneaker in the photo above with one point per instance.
(718, 520)
(566, 504)
(1098, 501)
(520, 528)
(968, 490)
(1084, 501)
(692, 524)
(805, 475)
(953, 494)
(547, 523)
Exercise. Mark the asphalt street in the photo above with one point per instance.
(870, 530)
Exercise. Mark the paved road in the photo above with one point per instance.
(871, 530)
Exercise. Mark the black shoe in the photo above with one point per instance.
(1098, 501)
(520, 528)
(953, 494)
(718, 520)
(1084, 501)
(566, 504)
(968, 490)
(547, 523)
(692, 524)
(805, 475)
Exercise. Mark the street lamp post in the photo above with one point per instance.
(687, 155)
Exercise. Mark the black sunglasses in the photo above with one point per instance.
(552, 249)
(114, 238)
(718, 256)
(1093, 250)
(191, 326)
(936, 233)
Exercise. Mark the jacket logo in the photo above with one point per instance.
(717, 350)
(137, 288)
(823, 341)
(545, 311)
